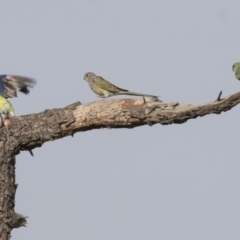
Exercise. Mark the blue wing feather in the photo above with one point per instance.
(2, 87)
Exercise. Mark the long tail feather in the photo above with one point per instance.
(136, 94)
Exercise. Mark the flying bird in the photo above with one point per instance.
(236, 69)
(9, 86)
(105, 89)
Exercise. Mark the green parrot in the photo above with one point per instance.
(105, 89)
(236, 69)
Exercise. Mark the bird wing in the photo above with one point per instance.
(106, 85)
(10, 84)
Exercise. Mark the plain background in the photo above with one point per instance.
(161, 182)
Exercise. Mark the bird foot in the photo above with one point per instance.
(5, 123)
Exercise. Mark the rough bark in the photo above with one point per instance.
(31, 131)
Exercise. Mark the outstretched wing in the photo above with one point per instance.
(10, 84)
(104, 84)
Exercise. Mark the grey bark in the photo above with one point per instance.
(27, 132)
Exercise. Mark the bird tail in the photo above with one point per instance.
(136, 94)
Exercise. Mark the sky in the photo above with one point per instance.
(162, 182)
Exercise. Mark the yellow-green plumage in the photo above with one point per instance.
(105, 89)
(6, 107)
(236, 69)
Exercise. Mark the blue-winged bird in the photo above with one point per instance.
(9, 85)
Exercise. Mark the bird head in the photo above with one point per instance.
(89, 76)
(236, 66)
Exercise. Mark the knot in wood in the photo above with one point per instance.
(137, 112)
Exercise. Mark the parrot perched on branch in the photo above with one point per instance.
(105, 89)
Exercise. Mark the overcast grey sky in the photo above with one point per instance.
(162, 182)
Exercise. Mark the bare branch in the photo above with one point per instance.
(129, 113)
(31, 131)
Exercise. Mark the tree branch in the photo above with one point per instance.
(130, 113)
(31, 131)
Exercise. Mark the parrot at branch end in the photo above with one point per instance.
(236, 69)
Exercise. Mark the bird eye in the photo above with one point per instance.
(86, 75)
